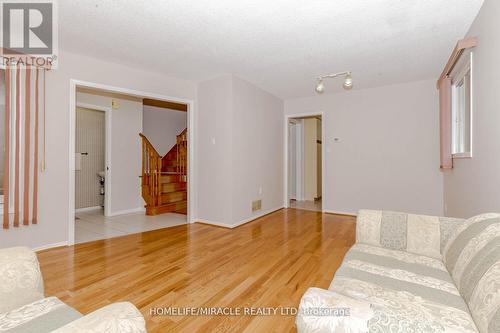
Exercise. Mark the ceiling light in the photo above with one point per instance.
(348, 82)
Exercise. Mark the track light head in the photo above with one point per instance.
(320, 87)
(348, 82)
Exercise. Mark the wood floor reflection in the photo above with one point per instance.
(269, 262)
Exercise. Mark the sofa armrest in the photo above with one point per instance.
(113, 318)
(325, 311)
(419, 234)
(21, 281)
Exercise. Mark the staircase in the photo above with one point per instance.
(164, 179)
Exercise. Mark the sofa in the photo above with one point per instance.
(25, 309)
(412, 273)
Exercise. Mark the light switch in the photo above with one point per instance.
(212, 140)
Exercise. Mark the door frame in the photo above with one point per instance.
(299, 158)
(191, 115)
(107, 151)
(287, 118)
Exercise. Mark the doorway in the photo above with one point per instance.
(124, 209)
(304, 188)
(164, 137)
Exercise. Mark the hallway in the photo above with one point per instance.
(307, 205)
(93, 225)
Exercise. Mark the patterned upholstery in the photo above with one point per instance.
(408, 292)
(473, 258)
(120, 317)
(420, 234)
(20, 278)
(318, 300)
(417, 274)
(44, 315)
(23, 308)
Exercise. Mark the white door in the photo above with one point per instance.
(292, 161)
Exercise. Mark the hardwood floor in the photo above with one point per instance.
(266, 263)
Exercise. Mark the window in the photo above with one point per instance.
(461, 107)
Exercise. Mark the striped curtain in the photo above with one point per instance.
(23, 98)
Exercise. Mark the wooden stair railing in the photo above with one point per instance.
(151, 172)
(182, 151)
(163, 179)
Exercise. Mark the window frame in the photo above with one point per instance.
(458, 75)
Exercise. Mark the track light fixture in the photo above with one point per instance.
(348, 83)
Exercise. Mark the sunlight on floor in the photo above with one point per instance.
(93, 225)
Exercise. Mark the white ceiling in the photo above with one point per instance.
(279, 45)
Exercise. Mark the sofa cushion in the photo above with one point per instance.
(473, 259)
(408, 292)
(419, 234)
(41, 316)
(20, 278)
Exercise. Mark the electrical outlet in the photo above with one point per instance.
(256, 205)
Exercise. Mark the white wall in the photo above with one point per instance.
(257, 150)
(214, 147)
(240, 150)
(126, 124)
(473, 185)
(161, 126)
(239, 146)
(388, 154)
(54, 182)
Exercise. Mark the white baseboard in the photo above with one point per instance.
(87, 209)
(218, 224)
(250, 219)
(127, 211)
(49, 246)
(339, 213)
